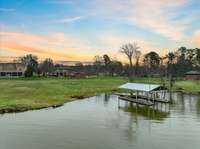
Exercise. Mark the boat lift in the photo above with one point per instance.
(144, 94)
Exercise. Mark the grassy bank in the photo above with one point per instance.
(21, 94)
(24, 94)
(180, 85)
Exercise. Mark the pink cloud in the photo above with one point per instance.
(43, 46)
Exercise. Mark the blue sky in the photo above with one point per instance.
(81, 29)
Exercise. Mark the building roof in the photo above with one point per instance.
(140, 87)
(192, 73)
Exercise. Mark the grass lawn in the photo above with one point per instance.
(180, 85)
(21, 94)
(188, 86)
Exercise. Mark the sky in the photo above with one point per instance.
(80, 29)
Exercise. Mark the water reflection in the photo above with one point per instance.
(106, 98)
(152, 113)
(198, 106)
(98, 122)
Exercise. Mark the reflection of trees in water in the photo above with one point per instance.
(106, 99)
(131, 129)
(182, 102)
(198, 106)
(185, 103)
(134, 112)
(178, 102)
(127, 123)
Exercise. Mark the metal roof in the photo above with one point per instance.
(140, 87)
(12, 67)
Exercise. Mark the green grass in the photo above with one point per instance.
(180, 85)
(21, 94)
(188, 86)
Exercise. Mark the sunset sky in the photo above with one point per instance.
(80, 29)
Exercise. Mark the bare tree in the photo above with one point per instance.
(130, 51)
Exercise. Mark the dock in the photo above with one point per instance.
(144, 94)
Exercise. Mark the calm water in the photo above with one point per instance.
(98, 123)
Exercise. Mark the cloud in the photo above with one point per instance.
(7, 9)
(158, 16)
(54, 45)
(196, 38)
(60, 46)
(69, 19)
(114, 40)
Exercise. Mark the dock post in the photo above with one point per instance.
(148, 96)
(137, 96)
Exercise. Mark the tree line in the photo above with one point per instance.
(174, 64)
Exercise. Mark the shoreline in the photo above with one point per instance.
(74, 98)
(25, 109)
(20, 95)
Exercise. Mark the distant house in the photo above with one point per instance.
(192, 75)
(70, 71)
(12, 69)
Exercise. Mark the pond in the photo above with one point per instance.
(99, 123)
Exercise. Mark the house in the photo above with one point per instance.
(192, 75)
(70, 71)
(12, 69)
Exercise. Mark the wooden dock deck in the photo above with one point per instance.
(138, 101)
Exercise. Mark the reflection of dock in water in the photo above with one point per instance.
(135, 100)
(157, 112)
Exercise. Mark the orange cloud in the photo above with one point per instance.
(43, 46)
(196, 38)
(42, 53)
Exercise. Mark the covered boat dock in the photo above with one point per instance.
(144, 94)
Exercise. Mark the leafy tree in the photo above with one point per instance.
(184, 61)
(152, 60)
(107, 60)
(171, 57)
(197, 59)
(30, 61)
(170, 63)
